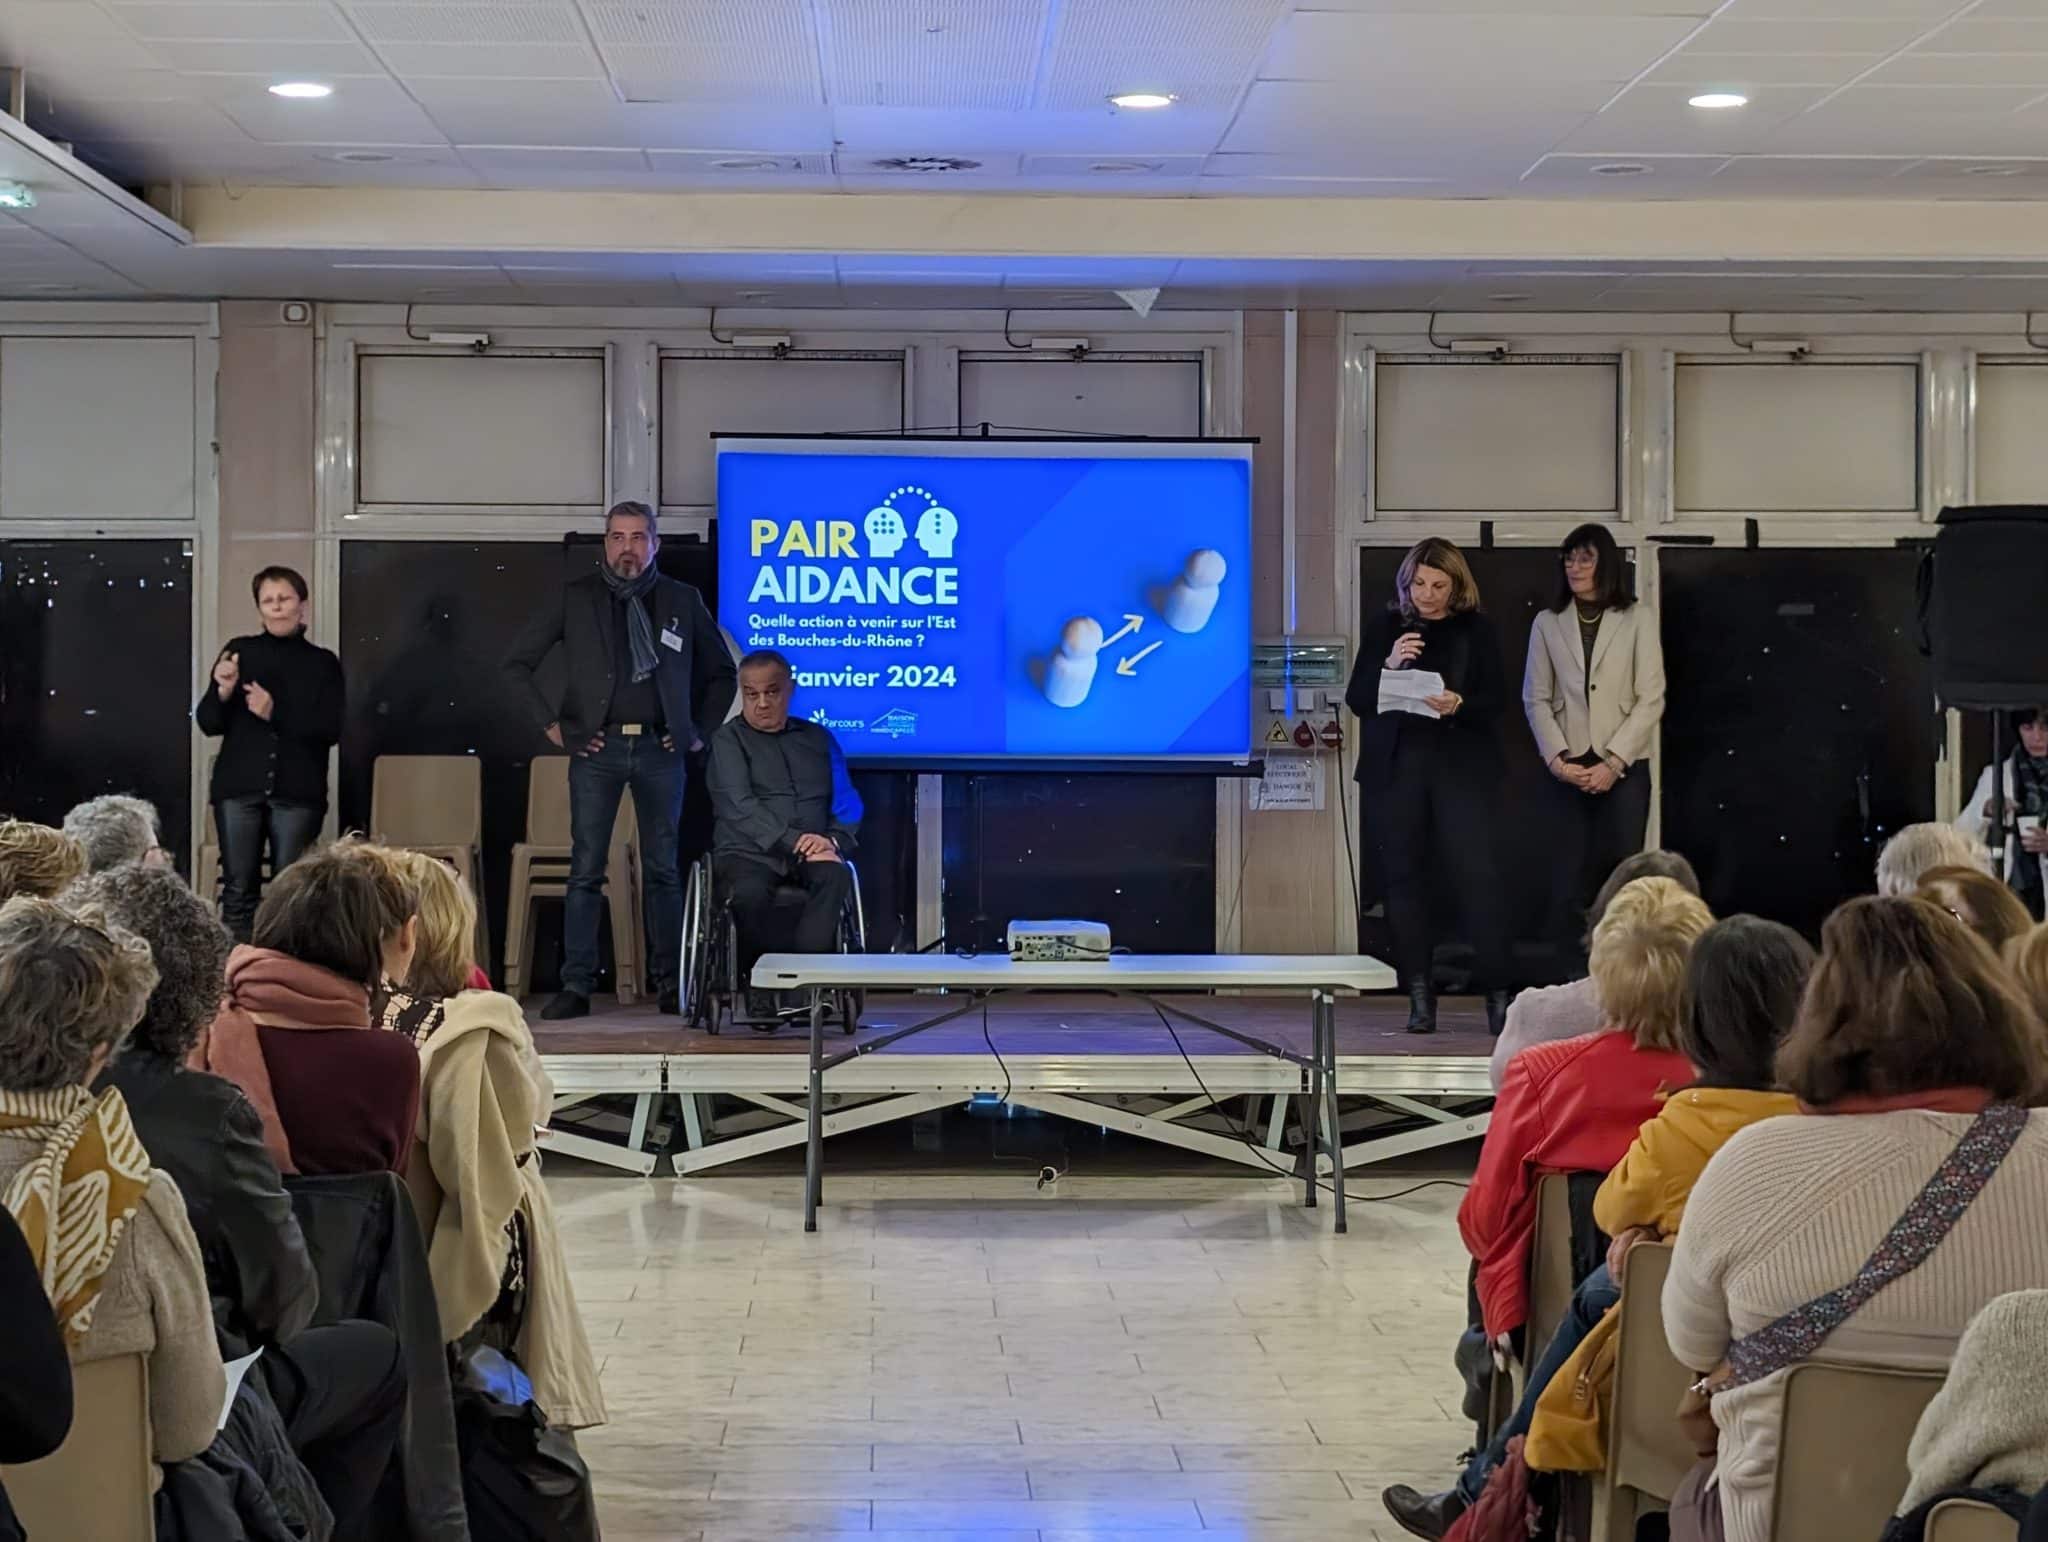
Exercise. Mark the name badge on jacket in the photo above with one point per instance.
(670, 640)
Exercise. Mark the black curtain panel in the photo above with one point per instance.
(1801, 729)
(96, 683)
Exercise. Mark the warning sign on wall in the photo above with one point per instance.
(1277, 734)
(1289, 784)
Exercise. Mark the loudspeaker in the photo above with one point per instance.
(1982, 616)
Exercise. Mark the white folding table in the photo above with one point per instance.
(1318, 977)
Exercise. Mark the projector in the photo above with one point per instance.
(1058, 942)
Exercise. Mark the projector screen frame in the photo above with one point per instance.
(981, 438)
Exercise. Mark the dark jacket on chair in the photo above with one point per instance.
(1465, 649)
(285, 757)
(695, 678)
(203, 1132)
(366, 1247)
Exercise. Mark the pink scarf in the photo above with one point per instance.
(267, 989)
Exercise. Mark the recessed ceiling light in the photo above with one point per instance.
(1142, 99)
(1621, 169)
(1507, 299)
(754, 294)
(748, 163)
(1718, 99)
(361, 157)
(301, 90)
(1114, 168)
(925, 163)
(1992, 171)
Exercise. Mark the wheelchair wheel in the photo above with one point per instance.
(850, 1005)
(700, 1002)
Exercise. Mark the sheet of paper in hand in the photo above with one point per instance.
(1404, 690)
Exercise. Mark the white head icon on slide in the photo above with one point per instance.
(1071, 669)
(1191, 599)
(885, 531)
(936, 528)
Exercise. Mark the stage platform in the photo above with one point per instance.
(1087, 1057)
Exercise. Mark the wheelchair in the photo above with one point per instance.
(713, 992)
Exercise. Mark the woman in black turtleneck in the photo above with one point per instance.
(1429, 785)
(275, 702)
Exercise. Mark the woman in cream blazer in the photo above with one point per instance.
(1593, 691)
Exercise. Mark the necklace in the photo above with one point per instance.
(1586, 618)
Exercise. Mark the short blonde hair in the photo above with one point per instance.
(1640, 950)
(37, 860)
(445, 953)
(1916, 848)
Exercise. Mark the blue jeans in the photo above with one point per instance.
(596, 783)
(245, 825)
(1590, 1302)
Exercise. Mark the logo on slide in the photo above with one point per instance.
(886, 529)
(825, 720)
(895, 724)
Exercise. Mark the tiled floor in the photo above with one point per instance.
(949, 1358)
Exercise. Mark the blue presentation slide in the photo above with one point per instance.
(1042, 601)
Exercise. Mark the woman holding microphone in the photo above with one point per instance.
(1428, 780)
(1594, 694)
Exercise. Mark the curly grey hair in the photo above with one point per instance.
(189, 945)
(113, 829)
(1917, 848)
(71, 984)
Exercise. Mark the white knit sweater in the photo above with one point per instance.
(1988, 1425)
(1788, 1210)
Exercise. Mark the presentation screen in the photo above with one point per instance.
(987, 599)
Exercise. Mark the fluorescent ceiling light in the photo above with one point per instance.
(1718, 99)
(1141, 99)
(301, 90)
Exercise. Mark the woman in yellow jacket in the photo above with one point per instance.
(1743, 982)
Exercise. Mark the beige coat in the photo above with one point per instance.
(154, 1303)
(1617, 711)
(474, 1164)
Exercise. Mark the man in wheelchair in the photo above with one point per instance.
(787, 816)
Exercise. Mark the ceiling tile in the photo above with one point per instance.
(1668, 176)
(241, 20)
(944, 53)
(1767, 176)
(501, 158)
(1699, 69)
(1655, 120)
(493, 61)
(737, 168)
(1202, 52)
(1418, 50)
(1290, 116)
(1697, 9)
(1975, 35)
(280, 60)
(361, 111)
(1113, 173)
(514, 21)
(1744, 31)
(1093, 131)
(1921, 68)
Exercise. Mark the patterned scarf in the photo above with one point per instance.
(632, 593)
(2029, 796)
(73, 1200)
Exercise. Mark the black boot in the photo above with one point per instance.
(1421, 1008)
(1423, 1515)
(1497, 1010)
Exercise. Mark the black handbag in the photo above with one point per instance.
(523, 1480)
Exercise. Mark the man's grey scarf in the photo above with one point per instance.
(639, 630)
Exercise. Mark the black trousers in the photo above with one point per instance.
(341, 1391)
(772, 919)
(1593, 832)
(1433, 822)
(245, 825)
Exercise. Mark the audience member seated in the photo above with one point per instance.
(1552, 1012)
(500, 1275)
(2025, 798)
(339, 1388)
(1574, 1106)
(1985, 1435)
(1909, 854)
(1983, 904)
(114, 829)
(108, 1231)
(787, 816)
(36, 860)
(35, 1373)
(2027, 958)
(1911, 1036)
(336, 1095)
(1742, 984)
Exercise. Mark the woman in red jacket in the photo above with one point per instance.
(1575, 1105)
